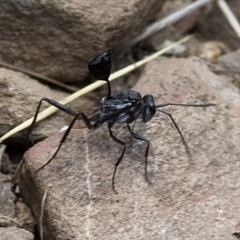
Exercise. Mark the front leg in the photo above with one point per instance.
(65, 109)
(53, 103)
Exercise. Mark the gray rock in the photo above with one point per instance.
(13, 233)
(187, 199)
(24, 216)
(230, 65)
(7, 198)
(20, 96)
(57, 38)
(213, 25)
(231, 61)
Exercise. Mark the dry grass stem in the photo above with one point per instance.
(2, 151)
(230, 16)
(49, 111)
(42, 212)
(39, 76)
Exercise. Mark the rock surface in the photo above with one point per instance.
(8, 219)
(230, 64)
(231, 61)
(57, 38)
(20, 96)
(7, 199)
(24, 216)
(187, 199)
(213, 25)
(13, 233)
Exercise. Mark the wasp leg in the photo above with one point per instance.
(141, 138)
(53, 103)
(67, 110)
(180, 133)
(116, 140)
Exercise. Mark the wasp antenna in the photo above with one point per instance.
(185, 105)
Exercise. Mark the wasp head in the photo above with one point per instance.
(149, 109)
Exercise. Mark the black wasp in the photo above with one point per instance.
(116, 108)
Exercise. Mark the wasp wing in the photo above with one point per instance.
(88, 104)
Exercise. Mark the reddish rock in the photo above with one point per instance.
(187, 199)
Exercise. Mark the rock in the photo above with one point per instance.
(213, 25)
(231, 61)
(57, 38)
(13, 233)
(237, 230)
(212, 50)
(24, 216)
(185, 195)
(20, 96)
(5, 164)
(6, 198)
